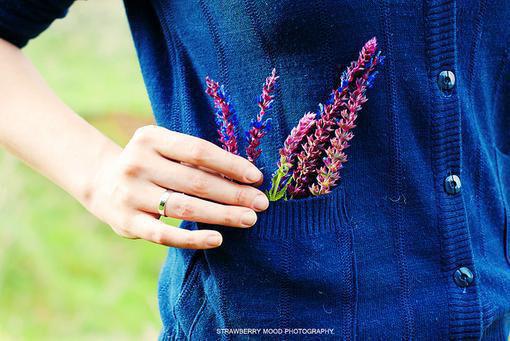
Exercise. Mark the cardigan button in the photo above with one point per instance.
(452, 184)
(446, 80)
(463, 277)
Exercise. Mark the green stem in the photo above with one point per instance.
(275, 193)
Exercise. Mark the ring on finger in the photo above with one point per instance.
(162, 202)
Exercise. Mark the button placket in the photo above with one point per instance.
(446, 134)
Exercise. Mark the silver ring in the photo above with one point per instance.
(162, 202)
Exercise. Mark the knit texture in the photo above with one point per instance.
(377, 257)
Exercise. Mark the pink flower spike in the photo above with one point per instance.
(357, 76)
(328, 175)
(366, 54)
(296, 136)
(226, 120)
(288, 155)
(259, 126)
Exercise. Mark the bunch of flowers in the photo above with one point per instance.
(314, 152)
(226, 119)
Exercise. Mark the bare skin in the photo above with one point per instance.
(122, 186)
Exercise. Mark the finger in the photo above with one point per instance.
(199, 152)
(203, 168)
(190, 180)
(153, 230)
(185, 207)
(255, 184)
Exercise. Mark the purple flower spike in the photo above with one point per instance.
(226, 119)
(259, 127)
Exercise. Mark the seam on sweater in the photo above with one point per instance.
(187, 285)
(183, 89)
(477, 35)
(348, 298)
(396, 173)
(189, 289)
(503, 67)
(355, 286)
(269, 55)
(330, 70)
(218, 44)
(220, 284)
(284, 301)
(197, 317)
(172, 52)
(345, 218)
(473, 61)
(478, 186)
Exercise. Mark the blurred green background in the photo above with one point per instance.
(63, 274)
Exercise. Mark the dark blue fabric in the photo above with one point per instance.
(22, 20)
(498, 330)
(376, 257)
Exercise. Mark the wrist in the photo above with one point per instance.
(107, 154)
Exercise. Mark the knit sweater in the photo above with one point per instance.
(414, 242)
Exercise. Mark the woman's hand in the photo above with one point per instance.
(123, 187)
(126, 191)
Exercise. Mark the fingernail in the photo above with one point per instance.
(253, 174)
(214, 240)
(261, 202)
(249, 218)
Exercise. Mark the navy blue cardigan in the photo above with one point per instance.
(415, 241)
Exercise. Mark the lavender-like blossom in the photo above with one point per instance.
(259, 127)
(226, 119)
(328, 175)
(310, 157)
(288, 155)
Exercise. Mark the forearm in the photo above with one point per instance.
(40, 129)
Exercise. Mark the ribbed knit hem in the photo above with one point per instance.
(295, 218)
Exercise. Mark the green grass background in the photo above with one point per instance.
(63, 274)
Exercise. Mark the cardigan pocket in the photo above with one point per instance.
(301, 218)
(503, 167)
(295, 268)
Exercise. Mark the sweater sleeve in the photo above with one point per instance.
(22, 20)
